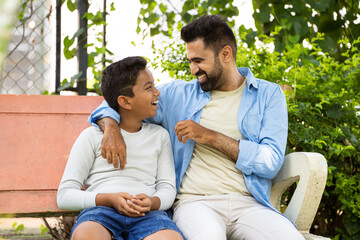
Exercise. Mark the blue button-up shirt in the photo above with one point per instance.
(262, 121)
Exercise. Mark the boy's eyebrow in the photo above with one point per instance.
(194, 59)
(148, 83)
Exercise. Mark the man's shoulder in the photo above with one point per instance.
(266, 84)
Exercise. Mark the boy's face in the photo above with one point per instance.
(146, 95)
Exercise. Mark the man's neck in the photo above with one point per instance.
(232, 80)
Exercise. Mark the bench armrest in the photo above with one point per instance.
(310, 169)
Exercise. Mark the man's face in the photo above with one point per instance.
(204, 65)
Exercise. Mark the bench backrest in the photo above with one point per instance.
(36, 136)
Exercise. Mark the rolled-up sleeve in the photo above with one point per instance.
(265, 155)
(102, 111)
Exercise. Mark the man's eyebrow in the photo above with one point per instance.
(194, 59)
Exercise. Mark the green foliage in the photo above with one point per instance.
(163, 17)
(299, 20)
(43, 230)
(324, 106)
(96, 51)
(17, 227)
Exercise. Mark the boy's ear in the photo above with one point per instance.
(124, 102)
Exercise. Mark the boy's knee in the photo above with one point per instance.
(90, 230)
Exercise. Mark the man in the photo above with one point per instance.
(228, 132)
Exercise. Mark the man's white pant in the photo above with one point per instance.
(231, 216)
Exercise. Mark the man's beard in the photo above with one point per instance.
(213, 78)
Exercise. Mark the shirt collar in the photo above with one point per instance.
(250, 78)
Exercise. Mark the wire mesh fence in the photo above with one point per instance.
(29, 67)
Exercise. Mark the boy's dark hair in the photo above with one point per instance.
(215, 32)
(119, 78)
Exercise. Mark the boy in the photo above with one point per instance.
(128, 203)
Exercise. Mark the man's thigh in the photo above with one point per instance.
(197, 221)
(255, 221)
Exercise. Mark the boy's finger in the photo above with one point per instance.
(135, 206)
(128, 209)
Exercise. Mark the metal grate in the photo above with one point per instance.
(29, 67)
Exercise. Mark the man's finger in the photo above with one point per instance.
(122, 162)
(115, 160)
(108, 157)
(181, 134)
(103, 152)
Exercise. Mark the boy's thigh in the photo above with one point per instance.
(153, 222)
(198, 221)
(107, 217)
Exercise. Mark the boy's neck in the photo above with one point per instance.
(130, 124)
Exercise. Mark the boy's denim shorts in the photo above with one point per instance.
(124, 227)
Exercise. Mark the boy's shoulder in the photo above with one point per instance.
(154, 128)
(92, 133)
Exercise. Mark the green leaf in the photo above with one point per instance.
(19, 228)
(112, 8)
(154, 31)
(71, 5)
(14, 225)
(293, 39)
(68, 42)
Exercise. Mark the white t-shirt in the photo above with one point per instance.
(211, 172)
(149, 169)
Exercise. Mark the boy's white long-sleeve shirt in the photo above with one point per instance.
(149, 169)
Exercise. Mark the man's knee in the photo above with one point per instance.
(205, 234)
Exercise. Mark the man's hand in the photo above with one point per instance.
(113, 146)
(143, 203)
(188, 129)
(120, 202)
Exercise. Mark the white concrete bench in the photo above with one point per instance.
(310, 169)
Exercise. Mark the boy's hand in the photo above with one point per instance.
(120, 202)
(144, 203)
(113, 146)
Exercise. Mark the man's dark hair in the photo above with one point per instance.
(119, 78)
(215, 32)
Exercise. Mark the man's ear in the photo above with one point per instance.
(226, 54)
(125, 102)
